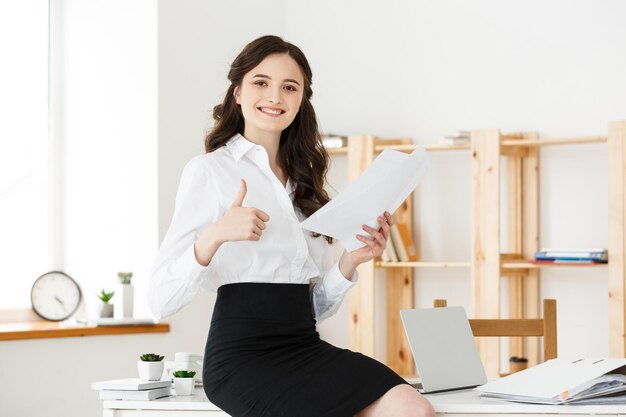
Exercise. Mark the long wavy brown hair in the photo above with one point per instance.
(300, 152)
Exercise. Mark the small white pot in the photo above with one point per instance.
(150, 371)
(183, 386)
(106, 310)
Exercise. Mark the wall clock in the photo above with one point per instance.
(55, 296)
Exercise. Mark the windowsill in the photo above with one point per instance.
(46, 329)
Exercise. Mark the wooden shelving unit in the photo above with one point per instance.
(488, 265)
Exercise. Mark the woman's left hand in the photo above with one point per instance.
(374, 244)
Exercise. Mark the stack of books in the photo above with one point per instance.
(460, 137)
(400, 245)
(587, 255)
(132, 389)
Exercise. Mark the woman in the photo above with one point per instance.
(236, 230)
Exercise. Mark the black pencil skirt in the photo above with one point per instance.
(264, 358)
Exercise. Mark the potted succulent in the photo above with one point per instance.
(125, 296)
(150, 366)
(106, 309)
(183, 382)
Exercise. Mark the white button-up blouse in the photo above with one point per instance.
(285, 253)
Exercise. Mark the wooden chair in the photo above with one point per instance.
(545, 327)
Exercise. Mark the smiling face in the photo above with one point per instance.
(270, 96)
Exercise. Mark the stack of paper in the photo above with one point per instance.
(561, 381)
(132, 389)
(383, 186)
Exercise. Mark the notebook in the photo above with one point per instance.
(146, 395)
(130, 384)
(443, 348)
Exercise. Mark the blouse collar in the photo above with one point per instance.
(239, 146)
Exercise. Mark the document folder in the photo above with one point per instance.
(561, 381)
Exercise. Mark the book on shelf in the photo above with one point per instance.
(334, 141)
(459, 134)
(407, 241)
(460, 137)
(450, 141)
(385, 255)
(142, 395)
(391, 251)
(394, 234)
(132, 389)
(573, 255)
(403, 242)
(567, 262)
(130, 384)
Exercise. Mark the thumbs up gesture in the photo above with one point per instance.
(241, 223)
(238, 223)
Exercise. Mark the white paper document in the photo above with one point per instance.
(561, 381)
(383, 186)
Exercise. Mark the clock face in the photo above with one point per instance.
(55, 296)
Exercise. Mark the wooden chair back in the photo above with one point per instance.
(545, 327)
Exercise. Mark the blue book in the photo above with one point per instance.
(600, 256)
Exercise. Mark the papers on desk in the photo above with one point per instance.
(383, 186)
(562, 381)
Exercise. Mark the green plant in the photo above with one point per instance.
(151, 357)
(183, 374)
(105, 296)
(124, 277)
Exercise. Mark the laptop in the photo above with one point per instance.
(443, 348)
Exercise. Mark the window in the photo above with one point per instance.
(24, 147)
(78, 193)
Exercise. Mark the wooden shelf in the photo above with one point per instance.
(510, 264)
(553, 142)
(46, 329)
(337, 151)
(526, 264)
(429, 148)
(422, 264)
(512, 143)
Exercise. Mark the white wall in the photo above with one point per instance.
(424, 68)
(416, 69)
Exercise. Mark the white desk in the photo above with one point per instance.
(465, 403)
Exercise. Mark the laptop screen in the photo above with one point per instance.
(443, 348)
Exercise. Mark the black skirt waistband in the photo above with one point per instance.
(263, 300)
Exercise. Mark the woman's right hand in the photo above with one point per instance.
(238, 223)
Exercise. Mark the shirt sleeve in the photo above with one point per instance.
(331, 289)
(176, 276)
